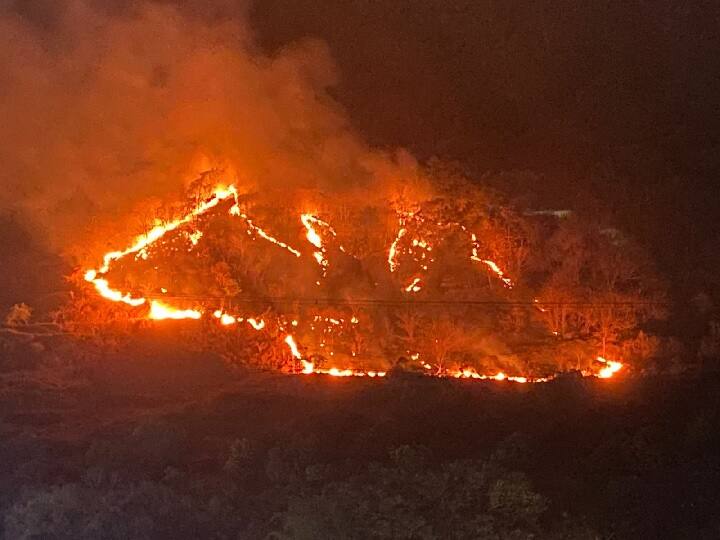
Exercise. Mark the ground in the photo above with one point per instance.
(245, 454)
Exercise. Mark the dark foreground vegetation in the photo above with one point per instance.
(161, 444)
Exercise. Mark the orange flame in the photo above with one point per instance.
(308, 367)
(392, 254)
(235, 210)
(414, 286)
(143, 241)
(495, 268)
(102, 287)
(140, 244)
(159, 312)
(256, 324)
(610, 369)
(310, 222)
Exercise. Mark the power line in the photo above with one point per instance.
(321, 301)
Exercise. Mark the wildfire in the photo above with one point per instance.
(313, 236)
(159, 312)
(308, 367)
(470, 373)
(256, 324)
(610, 369)
(102, 287)
(225, 318)
(316, 230)
(414, 286)
(235, 210)
(140, 244)
(474, 256)
(392, 254)
(424, 258)
(496, 269)
(194, 237)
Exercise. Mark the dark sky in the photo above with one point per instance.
(620, 100)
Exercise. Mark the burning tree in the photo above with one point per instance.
(441, 340)
(288, 276)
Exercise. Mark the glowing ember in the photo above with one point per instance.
(161, 312)
(262, 234)
(414, 286)
(392, 254)
(194, 237)
(495, 268)
(257, 325)
(313, 236)
(226, 319)
(102, 287)
(610, 369)
(308, 367)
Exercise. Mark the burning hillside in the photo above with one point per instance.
(362, 287)
(300, 247)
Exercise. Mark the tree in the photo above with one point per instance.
(512, 498)
(441, 338)
(598, 284)
(409, 322)
(18, 315)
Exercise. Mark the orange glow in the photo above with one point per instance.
(610, 369)
(102, 287)
(392, 253)
(142, 242)
(308, 367)
(317, 233)
(262, 234)
(496, 269)
(414, 286)
(256, 324)
(226, 319)
(159, 312)
(310, 223)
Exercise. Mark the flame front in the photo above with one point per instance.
(310, 223)
(418, 248)
(610, 369)
(308, 367)
(159, 312)
(141, 242)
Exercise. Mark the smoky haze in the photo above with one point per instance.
(105, 108)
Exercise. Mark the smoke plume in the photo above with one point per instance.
(103, 108)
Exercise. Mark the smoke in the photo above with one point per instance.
(103, 108)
